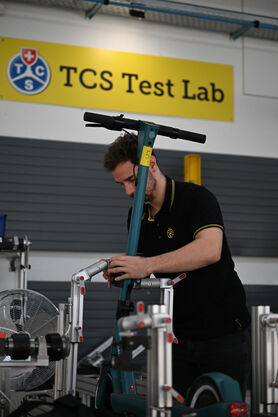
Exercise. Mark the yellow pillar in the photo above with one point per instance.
(192, 168)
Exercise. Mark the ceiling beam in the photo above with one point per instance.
(201, 12)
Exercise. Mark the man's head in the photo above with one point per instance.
(121, 160)
(123, 149)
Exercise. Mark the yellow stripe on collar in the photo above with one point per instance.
(150, 218)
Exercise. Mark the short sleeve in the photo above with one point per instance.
(206, 211)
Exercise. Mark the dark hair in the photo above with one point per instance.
(123, 149)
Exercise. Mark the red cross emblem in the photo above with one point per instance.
(29, 55)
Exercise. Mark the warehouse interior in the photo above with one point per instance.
(207, 67)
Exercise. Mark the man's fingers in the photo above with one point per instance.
(117, 262)
(117, 270)
(122, 277)
(106, 275)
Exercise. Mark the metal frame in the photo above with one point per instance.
(18, 249)
(158, 321)
(264, 360)
(95, 357)
(70, 324)
(159, 358)
(9, 400)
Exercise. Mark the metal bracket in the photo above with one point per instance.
(93, 11)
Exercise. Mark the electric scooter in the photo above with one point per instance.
(217, 394)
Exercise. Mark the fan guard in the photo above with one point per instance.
(27, 311)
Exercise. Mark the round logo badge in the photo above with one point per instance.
(28, 72)
(170, 233)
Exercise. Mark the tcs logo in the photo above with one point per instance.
(28, 72)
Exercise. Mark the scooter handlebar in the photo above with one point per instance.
(119, 123)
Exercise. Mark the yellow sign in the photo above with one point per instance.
(43, 72)
(146, 156)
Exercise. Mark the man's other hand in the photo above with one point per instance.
(131, 267)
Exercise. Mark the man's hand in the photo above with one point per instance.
(131, 267)
(201, 252)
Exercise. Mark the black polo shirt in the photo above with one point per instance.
(210, 301)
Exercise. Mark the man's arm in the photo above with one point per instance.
(203, 251)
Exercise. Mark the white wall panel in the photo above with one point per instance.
(60, 266)
(260, 68)
(264, 8)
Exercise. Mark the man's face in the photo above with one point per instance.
(125, 174)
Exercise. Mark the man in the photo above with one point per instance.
(182, 231)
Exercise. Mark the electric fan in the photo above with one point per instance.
(26, 311)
